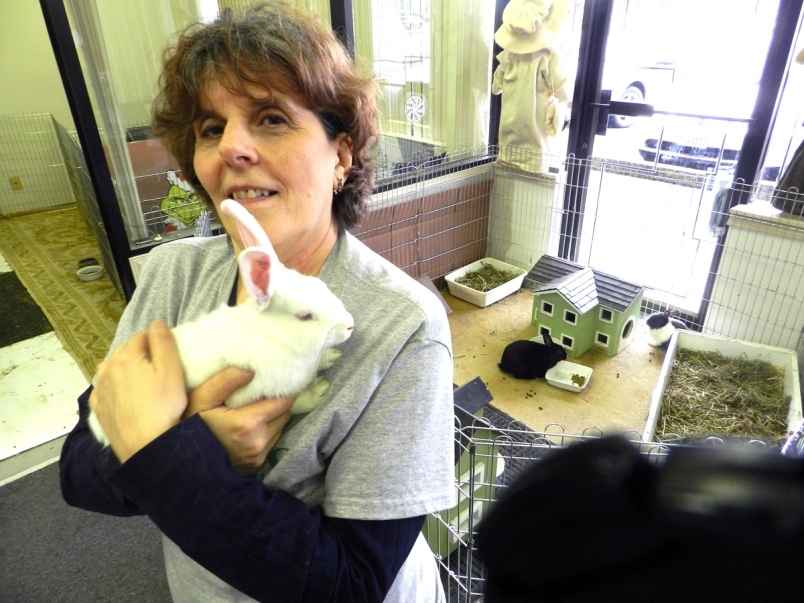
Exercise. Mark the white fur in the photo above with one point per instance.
(270, 334)
(660, 336)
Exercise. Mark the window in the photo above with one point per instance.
(570, 317)
(547, 308)
(606, 315)
(602, 339)
(433, 62)
(568, 342)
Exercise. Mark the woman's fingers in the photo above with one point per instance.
(217, 389)
(140, 392)
(250, 432)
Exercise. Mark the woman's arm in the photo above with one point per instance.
(84, 467)
(255, 545)
(264, 542)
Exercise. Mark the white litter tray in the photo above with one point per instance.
(485, 298)
(730, 348)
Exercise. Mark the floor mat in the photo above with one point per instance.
(39, 384)
(22, 317)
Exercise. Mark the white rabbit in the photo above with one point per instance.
(284, 332)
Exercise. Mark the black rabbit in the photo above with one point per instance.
(527, 359)
(661, 327)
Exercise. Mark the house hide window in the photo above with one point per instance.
(568, 342)
(606, 315)
(547, 308)
(602, 339)
(570, 317)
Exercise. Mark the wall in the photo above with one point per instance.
(525, 216)
(432, 227)
(30, 92)
(29, 152)
(30, 81)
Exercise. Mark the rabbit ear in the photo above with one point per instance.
(547, 340)
(251, 233)
(255, 270)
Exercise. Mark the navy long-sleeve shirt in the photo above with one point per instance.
(266, 543)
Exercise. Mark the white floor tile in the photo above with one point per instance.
(39, 384)
(4, 267)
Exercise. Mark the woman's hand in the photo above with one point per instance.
(140, 391)
(247, 433)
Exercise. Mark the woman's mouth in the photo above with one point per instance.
(251, 193)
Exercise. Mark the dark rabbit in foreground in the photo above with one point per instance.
(661, 327)
(527, 359)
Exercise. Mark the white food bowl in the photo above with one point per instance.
(90, 273)
(481, 298)
(561, 376)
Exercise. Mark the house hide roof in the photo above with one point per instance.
(578, 287)
(574, 281)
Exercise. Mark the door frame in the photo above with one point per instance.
(590, 111)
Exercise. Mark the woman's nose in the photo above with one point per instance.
(236, 146)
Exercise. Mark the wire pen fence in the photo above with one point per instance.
(492, 452)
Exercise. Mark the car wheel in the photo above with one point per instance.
(632, 94)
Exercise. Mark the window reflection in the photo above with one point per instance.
(432, 60)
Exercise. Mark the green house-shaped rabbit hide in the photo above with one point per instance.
(582, 307)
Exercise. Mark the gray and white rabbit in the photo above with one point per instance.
(525, 359)
(284, 332)
(661, 326)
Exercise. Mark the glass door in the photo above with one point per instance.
(656, 200)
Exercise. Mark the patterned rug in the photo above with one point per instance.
(44, 250)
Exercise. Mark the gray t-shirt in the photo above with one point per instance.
(380, 445)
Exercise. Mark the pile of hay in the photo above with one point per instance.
(486, 278)
(709, 394)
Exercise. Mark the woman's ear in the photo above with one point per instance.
(344, 156)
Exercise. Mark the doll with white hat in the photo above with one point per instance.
(789, 193)
(532, 81)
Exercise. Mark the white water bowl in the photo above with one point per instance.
(90, 273)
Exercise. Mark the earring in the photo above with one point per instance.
(339, 187)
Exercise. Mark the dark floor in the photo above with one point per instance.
(21, 318)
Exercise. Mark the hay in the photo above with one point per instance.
(486, 278)
(709, 394)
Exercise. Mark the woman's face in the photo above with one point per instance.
(272, 155)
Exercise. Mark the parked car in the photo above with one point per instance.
(635, 84)
(706, 143)
(695, 143)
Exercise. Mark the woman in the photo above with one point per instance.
(268, 109)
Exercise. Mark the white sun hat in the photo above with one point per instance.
(530, 25)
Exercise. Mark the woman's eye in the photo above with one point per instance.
(209, 131)
(273, 119)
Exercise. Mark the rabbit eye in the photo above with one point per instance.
(305, 316)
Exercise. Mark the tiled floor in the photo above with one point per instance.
(39, 382)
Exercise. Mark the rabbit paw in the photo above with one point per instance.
(328, 358)
(311, 397)
(97, 430)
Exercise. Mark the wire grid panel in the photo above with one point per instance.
(30, 156)
(432, 218)
(735, 272)
(489, 460)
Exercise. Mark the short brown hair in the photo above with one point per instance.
(270, 44)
